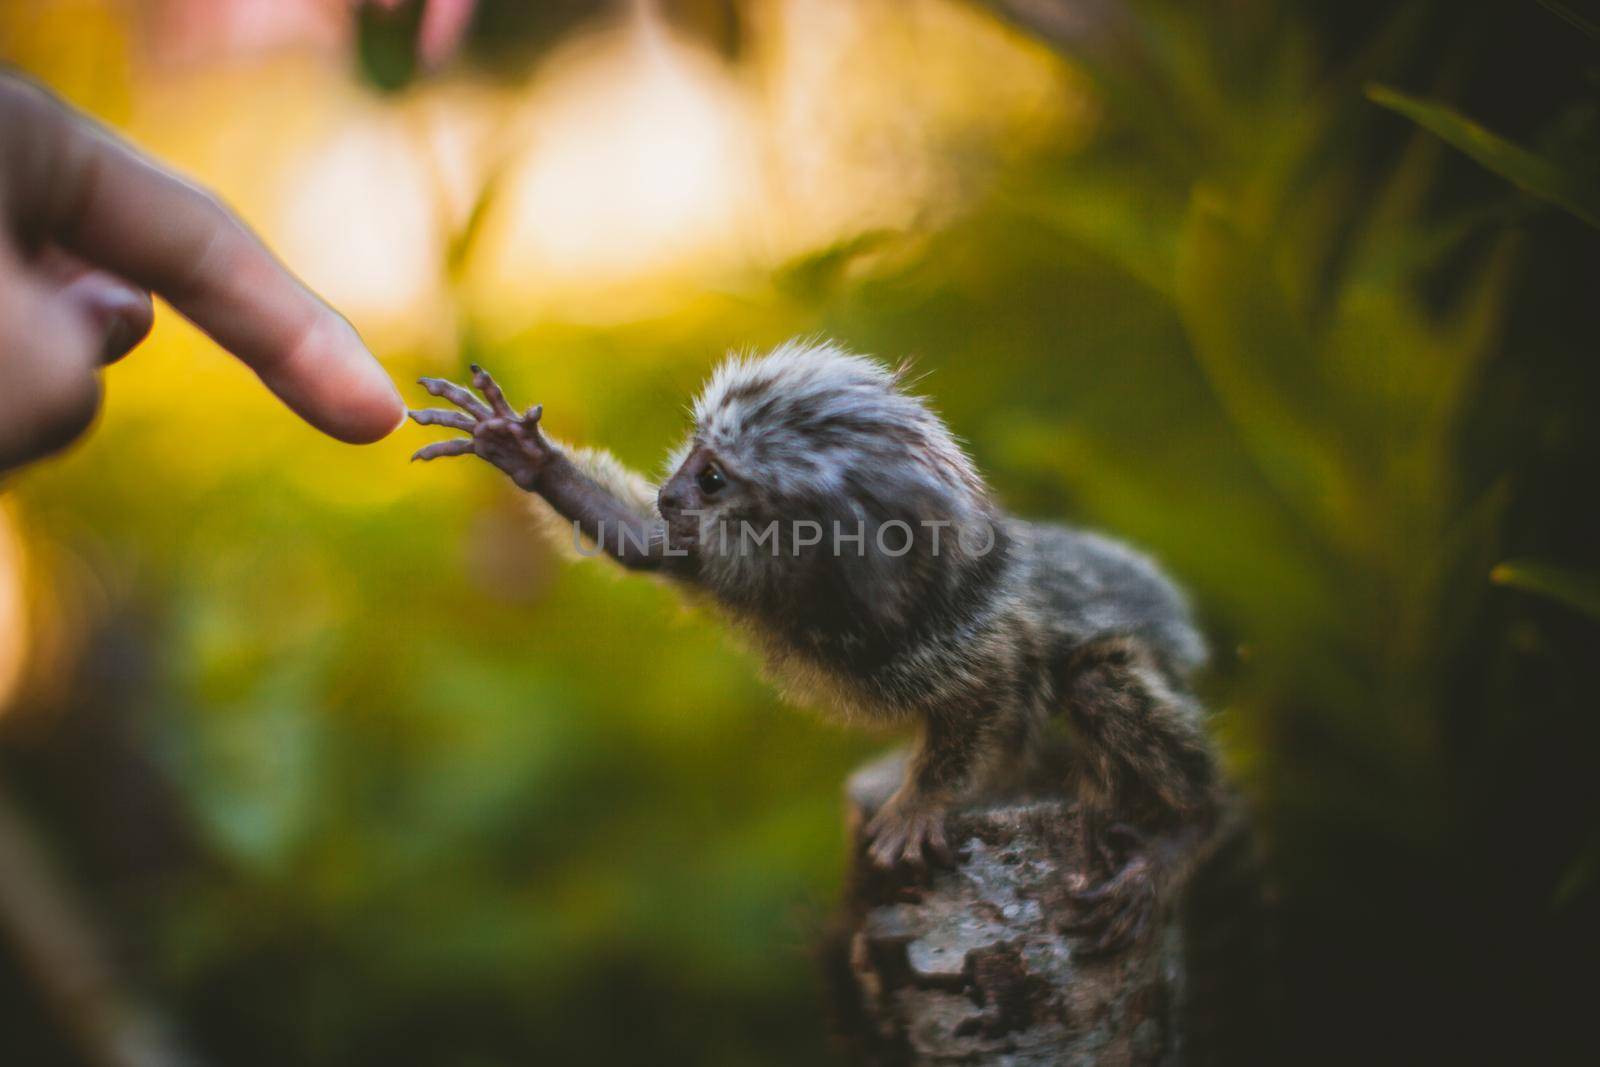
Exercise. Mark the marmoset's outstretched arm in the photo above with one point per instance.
(515, 444)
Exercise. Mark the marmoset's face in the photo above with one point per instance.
(700, 493)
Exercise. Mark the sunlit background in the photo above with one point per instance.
(346, 767)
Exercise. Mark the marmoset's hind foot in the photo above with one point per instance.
(510, 441)
(1116, 911)
(1108, 849)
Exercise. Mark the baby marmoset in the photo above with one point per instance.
(832, 514)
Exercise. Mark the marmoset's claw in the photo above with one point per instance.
(490, 389)
(443, 417)
(457, 396)
(461, 446)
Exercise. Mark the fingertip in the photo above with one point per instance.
(400, 420)
(369, 413)
(332, 381)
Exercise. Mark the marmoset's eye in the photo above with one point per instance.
(710, 480)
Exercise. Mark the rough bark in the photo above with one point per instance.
(973, 964)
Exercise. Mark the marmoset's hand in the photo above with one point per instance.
(88, 229)
(512, 442)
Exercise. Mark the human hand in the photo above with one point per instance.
(89, 228)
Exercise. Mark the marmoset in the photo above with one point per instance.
(829, 512)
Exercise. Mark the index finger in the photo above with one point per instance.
(78, 185)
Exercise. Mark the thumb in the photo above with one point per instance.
(52, 340)
(118, 310)
(119, 313)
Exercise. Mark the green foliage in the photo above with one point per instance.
(1578, 589)
(1572, 18)
(386, 43)
(1568, 188)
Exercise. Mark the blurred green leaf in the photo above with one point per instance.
(1565, 187)
(386, 42)
(1572, 18)
(1121, 214)
(1574, 588)
(461, 244)
(1263, 363)
(1579, 875)
(818, 274)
